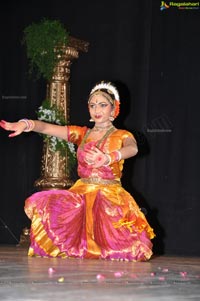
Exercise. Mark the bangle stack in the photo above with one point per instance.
(115, 156)
(119, 155)
(30, 124)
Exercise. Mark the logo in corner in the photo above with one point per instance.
(179, 5)
(164, 5)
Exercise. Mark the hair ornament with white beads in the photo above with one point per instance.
(106, 86)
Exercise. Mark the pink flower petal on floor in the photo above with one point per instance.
(51, 270)
(118, 274)
(183, 274)
(100, 277)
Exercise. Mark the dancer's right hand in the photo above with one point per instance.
(16, 127)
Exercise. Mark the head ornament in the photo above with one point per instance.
(111, 89)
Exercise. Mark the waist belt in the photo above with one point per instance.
(99, 181)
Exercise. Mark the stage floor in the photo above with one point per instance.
(162, 278)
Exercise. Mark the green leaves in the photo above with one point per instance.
(45, 42)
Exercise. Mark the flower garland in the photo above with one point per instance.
(52, 114)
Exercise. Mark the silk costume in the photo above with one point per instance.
(96, 217)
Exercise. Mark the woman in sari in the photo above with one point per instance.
(96, 217)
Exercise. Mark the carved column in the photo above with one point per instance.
(54, 167)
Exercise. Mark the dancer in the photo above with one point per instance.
(96, 217)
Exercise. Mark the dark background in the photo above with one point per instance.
(153, 56)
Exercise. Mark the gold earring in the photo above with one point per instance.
(91, 120)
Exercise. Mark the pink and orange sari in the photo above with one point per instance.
(96, 217)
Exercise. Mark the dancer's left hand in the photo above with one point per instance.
(95, 157)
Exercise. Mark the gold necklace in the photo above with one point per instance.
(102, 128)
(105, 136)
(108, 132)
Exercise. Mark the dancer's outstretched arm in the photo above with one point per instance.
(27, 125)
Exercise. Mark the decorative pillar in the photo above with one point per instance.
(55, 173)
